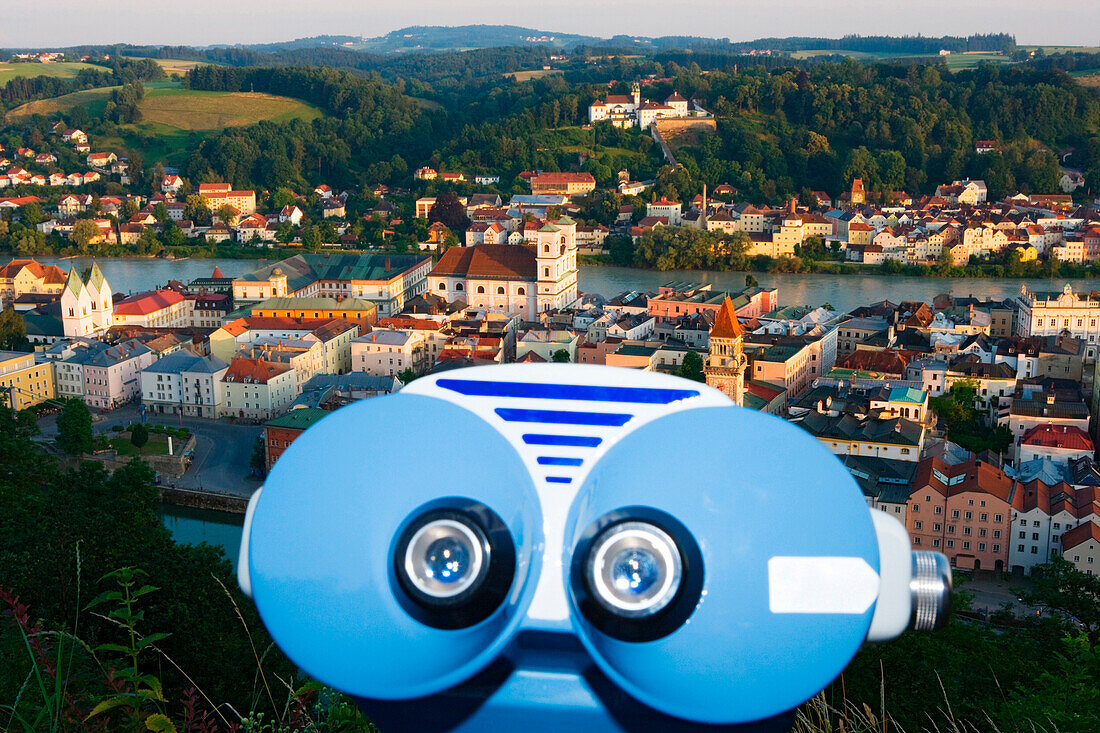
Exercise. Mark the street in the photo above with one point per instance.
(222, 449)
(991, 592)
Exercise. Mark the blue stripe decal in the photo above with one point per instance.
(559, 461)
(576, 441)
(559, 480)
(564, 417)
(637, 395)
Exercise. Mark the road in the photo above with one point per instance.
(222, 449)
(991, 592)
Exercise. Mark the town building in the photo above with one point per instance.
(963, 510)
(387, 281)
(563, 184)
(112, 373)
(281, 431)
(1081, 546)
(217, 195)
(162, 308)
(255, 389)
(525, 279)
(1048, 314)
(388, 352)
(183, 383)
(27, 277)
(725, 365)
(87, 304)
(24, 382)
(353, 310)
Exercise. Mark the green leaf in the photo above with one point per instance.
(110, 595)
(109, 704)
(160, 723)
(143, 590)
(113, 648)
(151, 639)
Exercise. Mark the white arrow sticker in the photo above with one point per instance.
(821, 585)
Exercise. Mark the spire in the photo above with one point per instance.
(73, 283)
(217, 273)
(95, 277)
(726, 325)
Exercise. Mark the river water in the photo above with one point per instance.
(192, 526)
(843, 292)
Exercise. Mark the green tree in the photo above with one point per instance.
(258, 460)
(692, 367)
(750, 281)
(160, 212)
(31, 213)
(450, 211)
(561, 356)
(74, 428)
(84, 233)
(13, 331)
(1061, 586)
(139, 435)
(226, 214)
(407, 376)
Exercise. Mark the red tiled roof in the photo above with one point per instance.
(726, 325)
(259, 370)
(143, 304)
(1058, 436)
(550, 178)
(489, 261)
(1079, 534)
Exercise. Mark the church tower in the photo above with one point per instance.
(725, 366)
(556, 263)
(636, 95)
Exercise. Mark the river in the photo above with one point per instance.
(843, 292)
(221, 529)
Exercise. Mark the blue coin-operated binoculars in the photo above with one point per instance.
(531, 547)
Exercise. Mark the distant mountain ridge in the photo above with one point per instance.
(465, 37)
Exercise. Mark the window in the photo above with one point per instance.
(1023, 535)
(935, 543)
(996, 534)
(969, 515)
(1035, 536)
(480, 290)
(998, 518)
(442, 286)
(1034, 550)
(981, 547)
(966, 545)
(937, 526)
(1019, 548)
(546, 272)
(500, 291)
(984, 517)
(916, 525)
(521, 291)
(1035, 523)
(996, 548)
(951, 543)
(458, 286)
(955, 514)
(939, 510)
(916, 540)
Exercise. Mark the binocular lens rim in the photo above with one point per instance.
(634, 535)
(681, 587)
(492, 564)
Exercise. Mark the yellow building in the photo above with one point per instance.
(23, 383)
(23, 277)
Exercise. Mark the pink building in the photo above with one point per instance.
(681, 299)
(963, 511)
(113, 376)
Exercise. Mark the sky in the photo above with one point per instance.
(48, 23)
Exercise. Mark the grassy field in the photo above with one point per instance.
(962, 61)
(1088, 78)
(532, 74)
(64, 70)
(184, 109)
(810, 53)
(174, 119)
(1062, 49)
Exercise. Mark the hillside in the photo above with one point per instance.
(183, 109)
(64, 70)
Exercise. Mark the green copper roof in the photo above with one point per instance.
(565, 221)
(73, 282)
(549, 228)
(298, 419)
(95, 277)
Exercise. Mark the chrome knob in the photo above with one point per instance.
(930, 589)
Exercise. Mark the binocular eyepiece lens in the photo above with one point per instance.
(453, 565)
(634, 569)
(444, 558)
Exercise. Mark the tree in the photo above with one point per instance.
(692, 367)
(227, 214)
(258, 460)
(407, 376)
(31, 213)
(74, 428)
(750, 281)
(197, 210)
(160, 212)
(139, 435)
(84, 233)
(450, 211)
(13, 331)
(1059, 585)
(561, 356)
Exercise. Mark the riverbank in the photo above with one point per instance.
(210, 500)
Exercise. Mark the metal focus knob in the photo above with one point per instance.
(930, 588)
